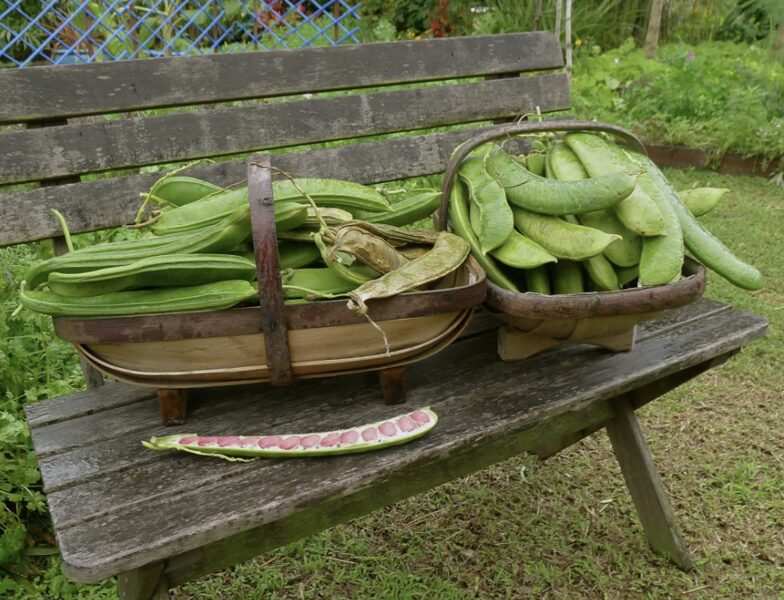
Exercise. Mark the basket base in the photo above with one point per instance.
(522, 338)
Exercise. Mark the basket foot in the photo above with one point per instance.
(620, 342)
(514, 344)
(173, 404)
(393, 385)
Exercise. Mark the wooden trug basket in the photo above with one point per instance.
(274, 342)
(537, 322)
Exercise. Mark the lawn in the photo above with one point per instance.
(568, 529)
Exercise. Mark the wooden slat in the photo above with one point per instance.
(112, 202)
(214, 505)
(87, 147)
(67, 91)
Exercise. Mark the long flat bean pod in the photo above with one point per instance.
(708, 249)
(554, 197)
(637, 211)
(494, 222)
(210, 296)
(166, 270)
(459, 218)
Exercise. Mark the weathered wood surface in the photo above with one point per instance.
(645, 486)
(106, 203)
(142, 84)
(100, 481)
(34, 154)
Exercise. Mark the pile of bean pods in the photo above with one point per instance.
(580, 213)
(336, 239)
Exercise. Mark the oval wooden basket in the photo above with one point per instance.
(276, 342)
(537, 322)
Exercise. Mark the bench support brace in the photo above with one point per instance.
(645, 486)
(145, 583)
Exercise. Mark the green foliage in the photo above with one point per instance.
(715, 95)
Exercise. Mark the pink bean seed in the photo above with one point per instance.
(189, 440)
(369, 434)
(207, 441)
(289, 443)
(310, 440)
(420, 416)
(330, 440)
(249, 442)
(406, 423)
(388, 428)
(349, 437)
(229, 440)
(269, 441)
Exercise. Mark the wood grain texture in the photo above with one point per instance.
(51, 152)
(645, 486)
(112, 202)
(145, 583)
(142, 84)
(89, 493)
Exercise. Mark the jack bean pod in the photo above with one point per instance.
(211, 296)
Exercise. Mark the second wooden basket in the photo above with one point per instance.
(537, 322)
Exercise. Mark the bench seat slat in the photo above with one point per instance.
(107, 203)
(67, 91)
(512, 398)
(54, 152)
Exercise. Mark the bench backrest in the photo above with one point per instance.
(54, 130)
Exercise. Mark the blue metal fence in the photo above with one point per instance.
(60, 32)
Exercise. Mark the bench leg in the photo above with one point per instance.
(145, 583)
(645, 487)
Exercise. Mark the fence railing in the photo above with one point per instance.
(57, 32)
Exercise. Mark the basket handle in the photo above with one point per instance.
(265, 247)
(508, 129)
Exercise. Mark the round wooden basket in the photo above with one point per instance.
(276, 342)
(537, 322)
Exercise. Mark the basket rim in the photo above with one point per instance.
(601, 304)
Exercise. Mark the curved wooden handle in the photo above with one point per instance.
(500, 131)
(265, 247)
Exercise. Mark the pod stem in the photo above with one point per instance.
(64, 226)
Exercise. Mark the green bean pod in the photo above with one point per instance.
(553, 197)
(602, 273)
(538, 281)
(333, 193)
(627, 274)
(460, 221)
(535, 163)
(294, 255)
(701, 200)
(565, 165)
(561, 238)
(220, 237)
(320, 280)
(520, 252)
(405, 212)
(494, 222)
(166, 270)
(567, 277)
(331, 216)
(179, 190)
(210, 296)
(637, 211)
(705, 247)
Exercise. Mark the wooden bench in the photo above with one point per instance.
(101, 483)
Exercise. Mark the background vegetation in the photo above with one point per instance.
(515, 530)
